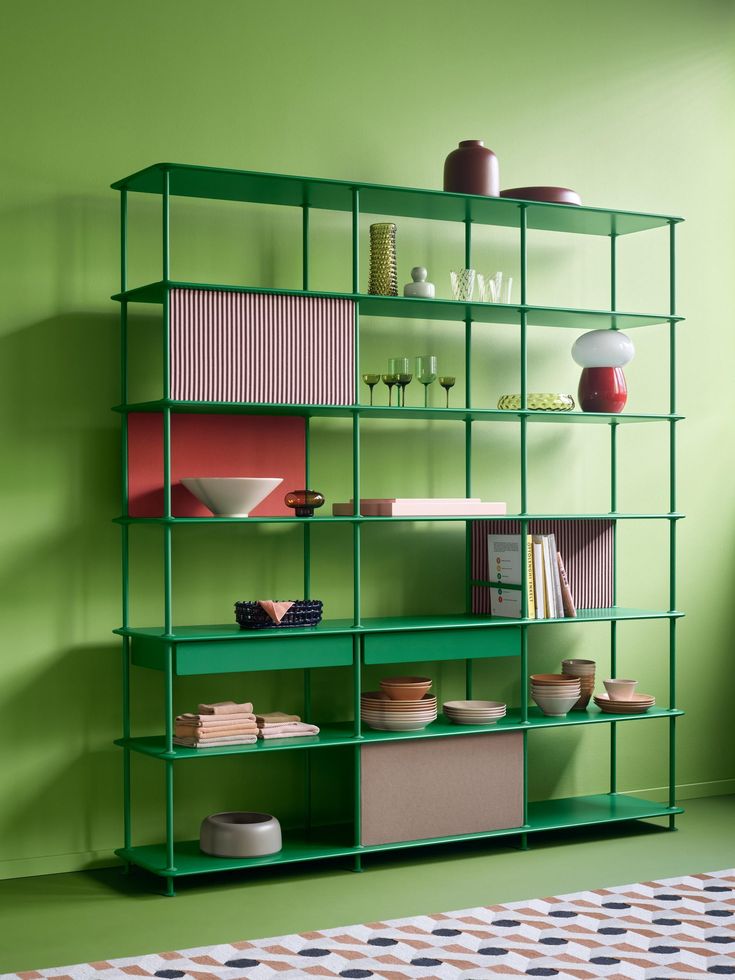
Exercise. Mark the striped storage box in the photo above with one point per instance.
(256, 347)
(585, 546)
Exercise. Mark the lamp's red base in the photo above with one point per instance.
(602, 389)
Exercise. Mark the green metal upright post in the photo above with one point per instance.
(613, 510)
(125, 557)
(167, 560)
(524, 502)
(468, 445)
(356, 532)
(305, 246)
(672, 520)
(307, 595)
(169, 765)
(356, 526)
(357, 756)
(167, 568)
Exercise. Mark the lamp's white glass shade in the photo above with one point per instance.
(603, 348)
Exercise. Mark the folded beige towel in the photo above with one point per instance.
(193, 743)
(312, 731)
(190, 732)
(291, 727)
(226, 708)
(213, 721)
(276, 718)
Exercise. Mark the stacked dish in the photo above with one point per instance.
(388, 715)
(405, 688)
(585, 670)
(474, 712)
(635, 705)
(555, 694)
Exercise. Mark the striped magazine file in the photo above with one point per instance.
(256, 347)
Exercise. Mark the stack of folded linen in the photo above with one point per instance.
(276, 724)
(223, 723)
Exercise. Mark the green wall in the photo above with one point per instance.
(629, 103)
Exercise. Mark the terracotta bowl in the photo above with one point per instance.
(380, 701)
(546, 679)
(578, 668)
(405, 688)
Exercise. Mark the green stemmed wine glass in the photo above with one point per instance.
(371, 380)
(426, 369)
(389, 380)
(401, 367)
(403, 381)
(447, 382)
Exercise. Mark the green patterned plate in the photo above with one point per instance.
(539, 401)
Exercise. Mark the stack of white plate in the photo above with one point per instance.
(387, 715)
(474, 712)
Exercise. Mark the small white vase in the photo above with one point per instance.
(419, 286)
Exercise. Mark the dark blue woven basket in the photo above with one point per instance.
(303, 612)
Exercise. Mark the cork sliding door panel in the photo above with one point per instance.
(439, 787)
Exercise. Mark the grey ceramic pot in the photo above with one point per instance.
(240, 834)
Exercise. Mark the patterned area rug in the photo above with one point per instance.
(656, 930)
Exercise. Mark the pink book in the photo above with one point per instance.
(443, 508)
(375, 506)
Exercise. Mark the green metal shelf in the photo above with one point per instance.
(342, 733)
(398, 307)
(329, 842)
(389, 641)
(384, 624)
(608, 516)
(218, 183)
(409, 413)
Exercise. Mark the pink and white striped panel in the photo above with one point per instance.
(585, 546)
(256, 347)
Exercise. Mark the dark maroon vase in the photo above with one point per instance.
(472, 169)
(602, 389)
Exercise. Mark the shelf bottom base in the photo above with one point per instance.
(330, 842)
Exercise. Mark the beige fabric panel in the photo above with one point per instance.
(437, 787)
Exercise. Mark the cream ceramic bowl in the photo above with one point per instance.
(231, 496)
(240, 834)
(619, 689)
(555, 707)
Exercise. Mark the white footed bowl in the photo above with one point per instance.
(231, 496)
(240, 834)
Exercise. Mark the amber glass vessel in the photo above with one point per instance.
(304, 501)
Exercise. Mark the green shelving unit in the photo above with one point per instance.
(179, 650)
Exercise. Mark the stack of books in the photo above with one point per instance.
(549, 595)
(421, 507)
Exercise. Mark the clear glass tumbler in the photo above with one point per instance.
(463, 284)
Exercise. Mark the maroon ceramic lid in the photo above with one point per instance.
(551, 195)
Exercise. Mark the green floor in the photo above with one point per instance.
(63, 919)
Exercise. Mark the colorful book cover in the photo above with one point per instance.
(504, 564)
